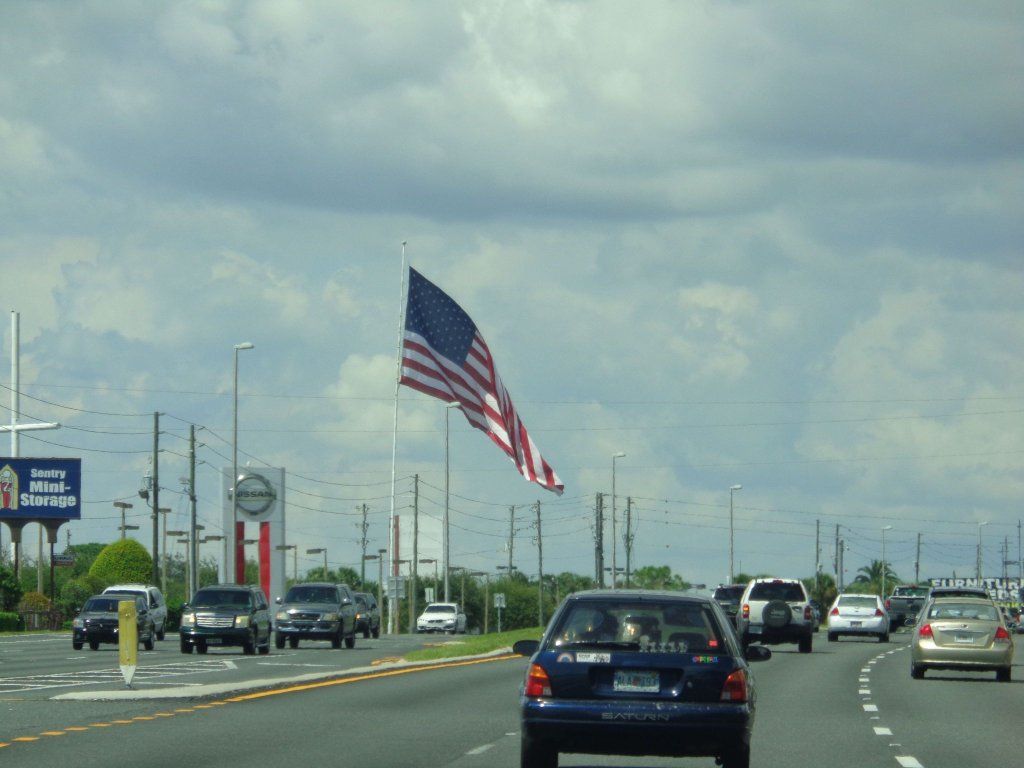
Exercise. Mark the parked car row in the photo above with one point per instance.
(227, 615)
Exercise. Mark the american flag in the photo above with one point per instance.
(444, 355)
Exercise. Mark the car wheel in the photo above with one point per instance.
(265, 648)
(148, 642)
(536, 754)
(1003, 675)
(160, 633)
(350, 641)
(279, 640)
(336, 640)
(739, 758)
(293, 642)
(832, 637)
(186, 647)
(201, 647)
(376, 632)
(77, 646)
(249, 647)
(916, 671)
(366, 632)
(777, 614)
(884, 637)
(93, 645)
(805, 644)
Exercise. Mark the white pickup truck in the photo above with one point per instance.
(442, 617)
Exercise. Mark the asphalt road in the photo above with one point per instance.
(847, 704)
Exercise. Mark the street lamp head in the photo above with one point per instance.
(316, 551)
(245, 345)
(618, 455)
(886, 527)
(736, 488)
(984, 523)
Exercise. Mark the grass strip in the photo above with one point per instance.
(471, 645)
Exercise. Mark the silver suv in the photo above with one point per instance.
(774, 611)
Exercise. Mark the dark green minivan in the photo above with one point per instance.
(226, 615)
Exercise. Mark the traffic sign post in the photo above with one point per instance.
(499, 603)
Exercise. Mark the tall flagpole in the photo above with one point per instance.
(392, 615)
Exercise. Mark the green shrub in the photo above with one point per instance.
(10, 590)
(10, 622)
(74, 594)
(34, 601)
(122, 561)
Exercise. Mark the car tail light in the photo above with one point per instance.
(888, 605)
(808, 614)
(746, 611)
(925, 631)
(1002, 636)
(834, 611)
(878, 612)
(735, 688)
(537, 682)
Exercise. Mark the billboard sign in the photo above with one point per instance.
(1001, 590)
(40, 489)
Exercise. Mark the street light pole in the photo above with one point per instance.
(295, 558)
(732, 490)
(615, 456)
(444, 534)
(231, 563)
(884, 529)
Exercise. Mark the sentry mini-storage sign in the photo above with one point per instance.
(38, 489)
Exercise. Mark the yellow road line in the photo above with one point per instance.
(163, 714)
(76, 728)
(99, 725)
(52, 733)
(26, 738)
(185, 710)
(144, 717)
(371, 676)
(121, 722)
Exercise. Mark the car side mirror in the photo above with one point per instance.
(277, 600)
(346, 601)
(527, 647)
(757, 653)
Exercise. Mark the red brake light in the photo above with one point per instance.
(1002, 634)
(537, 682)
(735, 688)
(888, 605)
(808, 615)
(925, 631)
(746, 611)
(834, 611)
(878, 612)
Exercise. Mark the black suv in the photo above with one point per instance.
(226, 614)
(367, 614)
(99, 622)
(316, 611)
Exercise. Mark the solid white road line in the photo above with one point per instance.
(879, 731)
(480, 750)
(870, 707)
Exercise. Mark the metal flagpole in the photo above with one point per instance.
(392, 618)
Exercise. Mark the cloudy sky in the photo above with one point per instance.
(777, 247)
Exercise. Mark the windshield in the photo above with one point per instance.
(308, 594)
(221, 598)
(963, 611)
(858, 601)
(103, 604)
(910, 592)
(668, 625)
(440, 609)
(729, 594)
(772, 590)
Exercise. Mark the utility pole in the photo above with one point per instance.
(839, 562)
(193, 543)
(628, 541)
(817, 558)
(363, 542)
(511, 536)
(540, 570)
(1006, 555)
(599, 539)
(414, 568)
(155, 496)
(1020, 562)
(917, 560)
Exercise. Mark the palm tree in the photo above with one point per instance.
(870, 576)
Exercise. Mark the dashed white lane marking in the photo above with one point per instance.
(480, 750)
(879, 731)
(865, 670)
(907, 761)
(864, 692)
(870, 707)
(513, 733)
(863, 680)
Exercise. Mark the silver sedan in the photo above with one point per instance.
(858, 615)
(963, 634)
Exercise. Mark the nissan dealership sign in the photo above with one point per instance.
(254, 497)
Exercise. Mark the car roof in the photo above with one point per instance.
(318, 584)
(961, 599)
(237, 587)
(776, 580)
(638, 594)
(122, 587)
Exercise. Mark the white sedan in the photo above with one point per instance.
(858, 615)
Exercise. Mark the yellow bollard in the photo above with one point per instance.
(127, 639)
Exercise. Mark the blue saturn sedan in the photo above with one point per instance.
(638, 673)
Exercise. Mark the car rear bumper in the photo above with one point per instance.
(942, 657)
(791, 633)
(638, 727)
(868, 625)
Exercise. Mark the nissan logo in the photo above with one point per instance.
(254, 495)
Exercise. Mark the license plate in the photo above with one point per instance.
(963, 639)
(213, 641)
(631, 681)
(855, 623)
(754, 630)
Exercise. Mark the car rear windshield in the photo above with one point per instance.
(776, 590)
(308, 594)
(858, 601)
(647, 625)
(103, 604)
(220, 598)
(963, 611)
(910, 592)
(729, 594)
